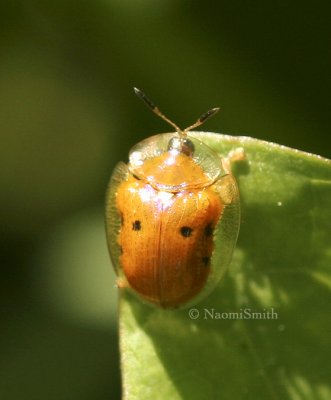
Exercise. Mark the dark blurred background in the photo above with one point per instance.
(68, 114)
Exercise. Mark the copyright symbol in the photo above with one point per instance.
(193, 313)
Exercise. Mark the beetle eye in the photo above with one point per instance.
(184, 146)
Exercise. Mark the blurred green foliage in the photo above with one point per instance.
(67, 115)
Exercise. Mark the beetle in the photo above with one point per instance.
(172, 216)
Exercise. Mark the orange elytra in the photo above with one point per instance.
(172, 217)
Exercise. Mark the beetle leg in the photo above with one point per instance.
(122, 283)
(237, 154)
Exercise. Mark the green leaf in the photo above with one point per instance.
(280, 269)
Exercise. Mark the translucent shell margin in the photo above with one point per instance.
(157, 145)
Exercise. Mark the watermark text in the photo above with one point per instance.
(242, 313)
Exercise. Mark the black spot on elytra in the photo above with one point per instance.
(136, 177)
(186, 231)
(209, 229)
(206, 261)
(136, 225)
(122, 219)
(121, 249)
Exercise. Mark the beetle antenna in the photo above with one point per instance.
(202, 119)
(155, 109)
